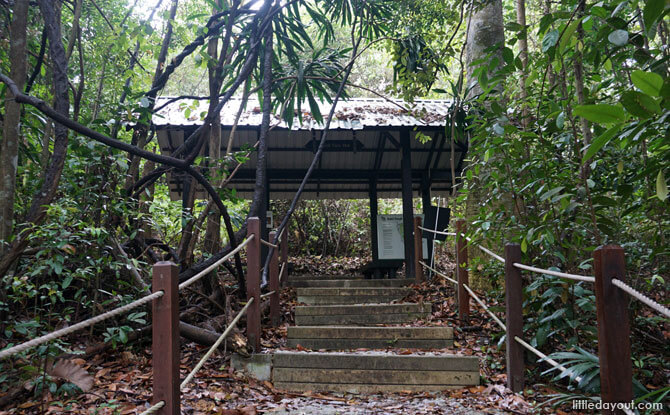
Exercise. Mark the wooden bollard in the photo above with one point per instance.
(273, 285)
(284, 253)
(462, 295)
(418, 250)
(165, 338)
(254, 284)
(616, 372)
(514, 318)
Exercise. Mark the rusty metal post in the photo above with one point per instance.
(462, 271)
(273, 285)
(165, 338)
(514, 317)
(254, 284)
(616, 372)
(418, 250)
(284, 253)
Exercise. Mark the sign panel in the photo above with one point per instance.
(390, 236)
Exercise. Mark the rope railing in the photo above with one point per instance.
(500, 322)
(268, 294)
(153, 409)
(209, 269)
(641, 297)
(612, 305)
(556, 273)
(437, 232)
(216, 344)
(269, 244)
(281, 272)
(81, 325)
(544, 357)
(493, 254)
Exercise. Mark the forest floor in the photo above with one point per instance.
(123, 380)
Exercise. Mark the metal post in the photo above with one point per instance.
(275, 312)
(616, 372)
(418, 250)
(462, 271)
(254, 283)
(407, 205)
(426, 202)
(165, 338)
(514, 317)
(374, 210)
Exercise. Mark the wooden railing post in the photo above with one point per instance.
(514, 318)
(273, 284)
(165, 338)
(616, 372)
(254, 284)
(418, 250)
(462, 295)
(284, 252)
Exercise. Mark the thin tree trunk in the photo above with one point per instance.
(52, 174)
(9, 150)
(523, 53)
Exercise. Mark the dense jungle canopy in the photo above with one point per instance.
(564, 105)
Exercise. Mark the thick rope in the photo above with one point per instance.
(544, 357)
(154, 408)
(216, 345)
(556, 273)
(438, 273)
(493, 254)
(268, 294)
(82, 325)
(639, 296)
(437, 232)
(271, 245)
(281, 272)
(481, 303)
(207, 270)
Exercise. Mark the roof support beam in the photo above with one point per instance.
(374, 211)
(407, 208)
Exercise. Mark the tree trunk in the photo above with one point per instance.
(9, 149)
(485, 30)
(523, 53)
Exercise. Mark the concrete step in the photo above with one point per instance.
(372, 372)
(358, 295)
(350, 283)
(341, 338)
(307, 277)
(361, 314)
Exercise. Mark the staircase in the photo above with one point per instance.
(355, 324)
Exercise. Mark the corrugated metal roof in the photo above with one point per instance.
(350, 114)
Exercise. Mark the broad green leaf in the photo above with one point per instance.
(601, 113)
(549, 40)
(550, 193)
(653, 9)
(599, 142)
(567, 34)
(639, 104)
(661, 186)
(618, 37)
(647, 82)
(524, 246)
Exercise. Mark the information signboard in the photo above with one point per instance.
(390, 236)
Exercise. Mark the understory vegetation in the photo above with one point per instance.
(565, 111)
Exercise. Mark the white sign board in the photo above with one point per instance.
(390, 237)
